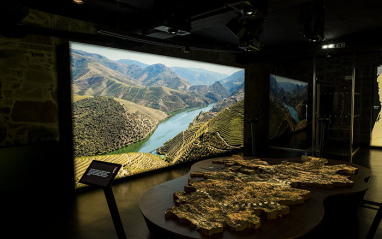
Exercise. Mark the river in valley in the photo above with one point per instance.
(293, 112)
(170, 128)
(167, 130)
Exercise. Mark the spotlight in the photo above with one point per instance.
(254, 7)
(172, 31)
(79, 2)
(332, 46)
(328, 46)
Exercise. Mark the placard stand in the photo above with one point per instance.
(375, 223)
(114, 212)
(102, 174)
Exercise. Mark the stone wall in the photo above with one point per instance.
(28, 99)
(28, 81)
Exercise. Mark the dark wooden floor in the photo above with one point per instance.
(87, 217)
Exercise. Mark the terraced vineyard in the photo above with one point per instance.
(132, 163)
(230, 124)
(220, 134)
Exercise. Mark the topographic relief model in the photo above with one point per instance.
(245, 192)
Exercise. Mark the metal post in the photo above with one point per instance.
(314, 102)
(114, 212)
(375, 224)
(352, 108)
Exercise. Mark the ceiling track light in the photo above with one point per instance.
(328, 46)
(333, 46)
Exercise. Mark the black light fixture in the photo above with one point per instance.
(173, 17)
(248, 24)
(312, 20)
(333, 45)
(329, 48)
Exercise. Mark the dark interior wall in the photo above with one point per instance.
(335, 73)
(256, 109)
(28, 105)
(32, 159)
(334, 76)
(29, 120)
(29, 100)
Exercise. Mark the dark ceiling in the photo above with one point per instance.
(355, 22)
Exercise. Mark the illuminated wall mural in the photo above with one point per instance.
(288, 112)
(147, 111)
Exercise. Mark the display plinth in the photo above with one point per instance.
(102, 174)
(302, 218)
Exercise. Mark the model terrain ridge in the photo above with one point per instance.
(246, 191)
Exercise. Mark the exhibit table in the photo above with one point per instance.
(301, 219)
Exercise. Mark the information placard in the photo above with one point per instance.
(100, 173)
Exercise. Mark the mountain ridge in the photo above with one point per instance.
(234, 81)
(198, 76)
(156, 86)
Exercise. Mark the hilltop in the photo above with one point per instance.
(102, 125)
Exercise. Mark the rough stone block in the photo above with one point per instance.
(33, 111)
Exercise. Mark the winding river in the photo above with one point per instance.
(293, 112)
(170, 128)
(166, 130)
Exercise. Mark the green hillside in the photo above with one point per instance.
(208, 137)
(234, 98)
(76, 97)
(102, 125)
